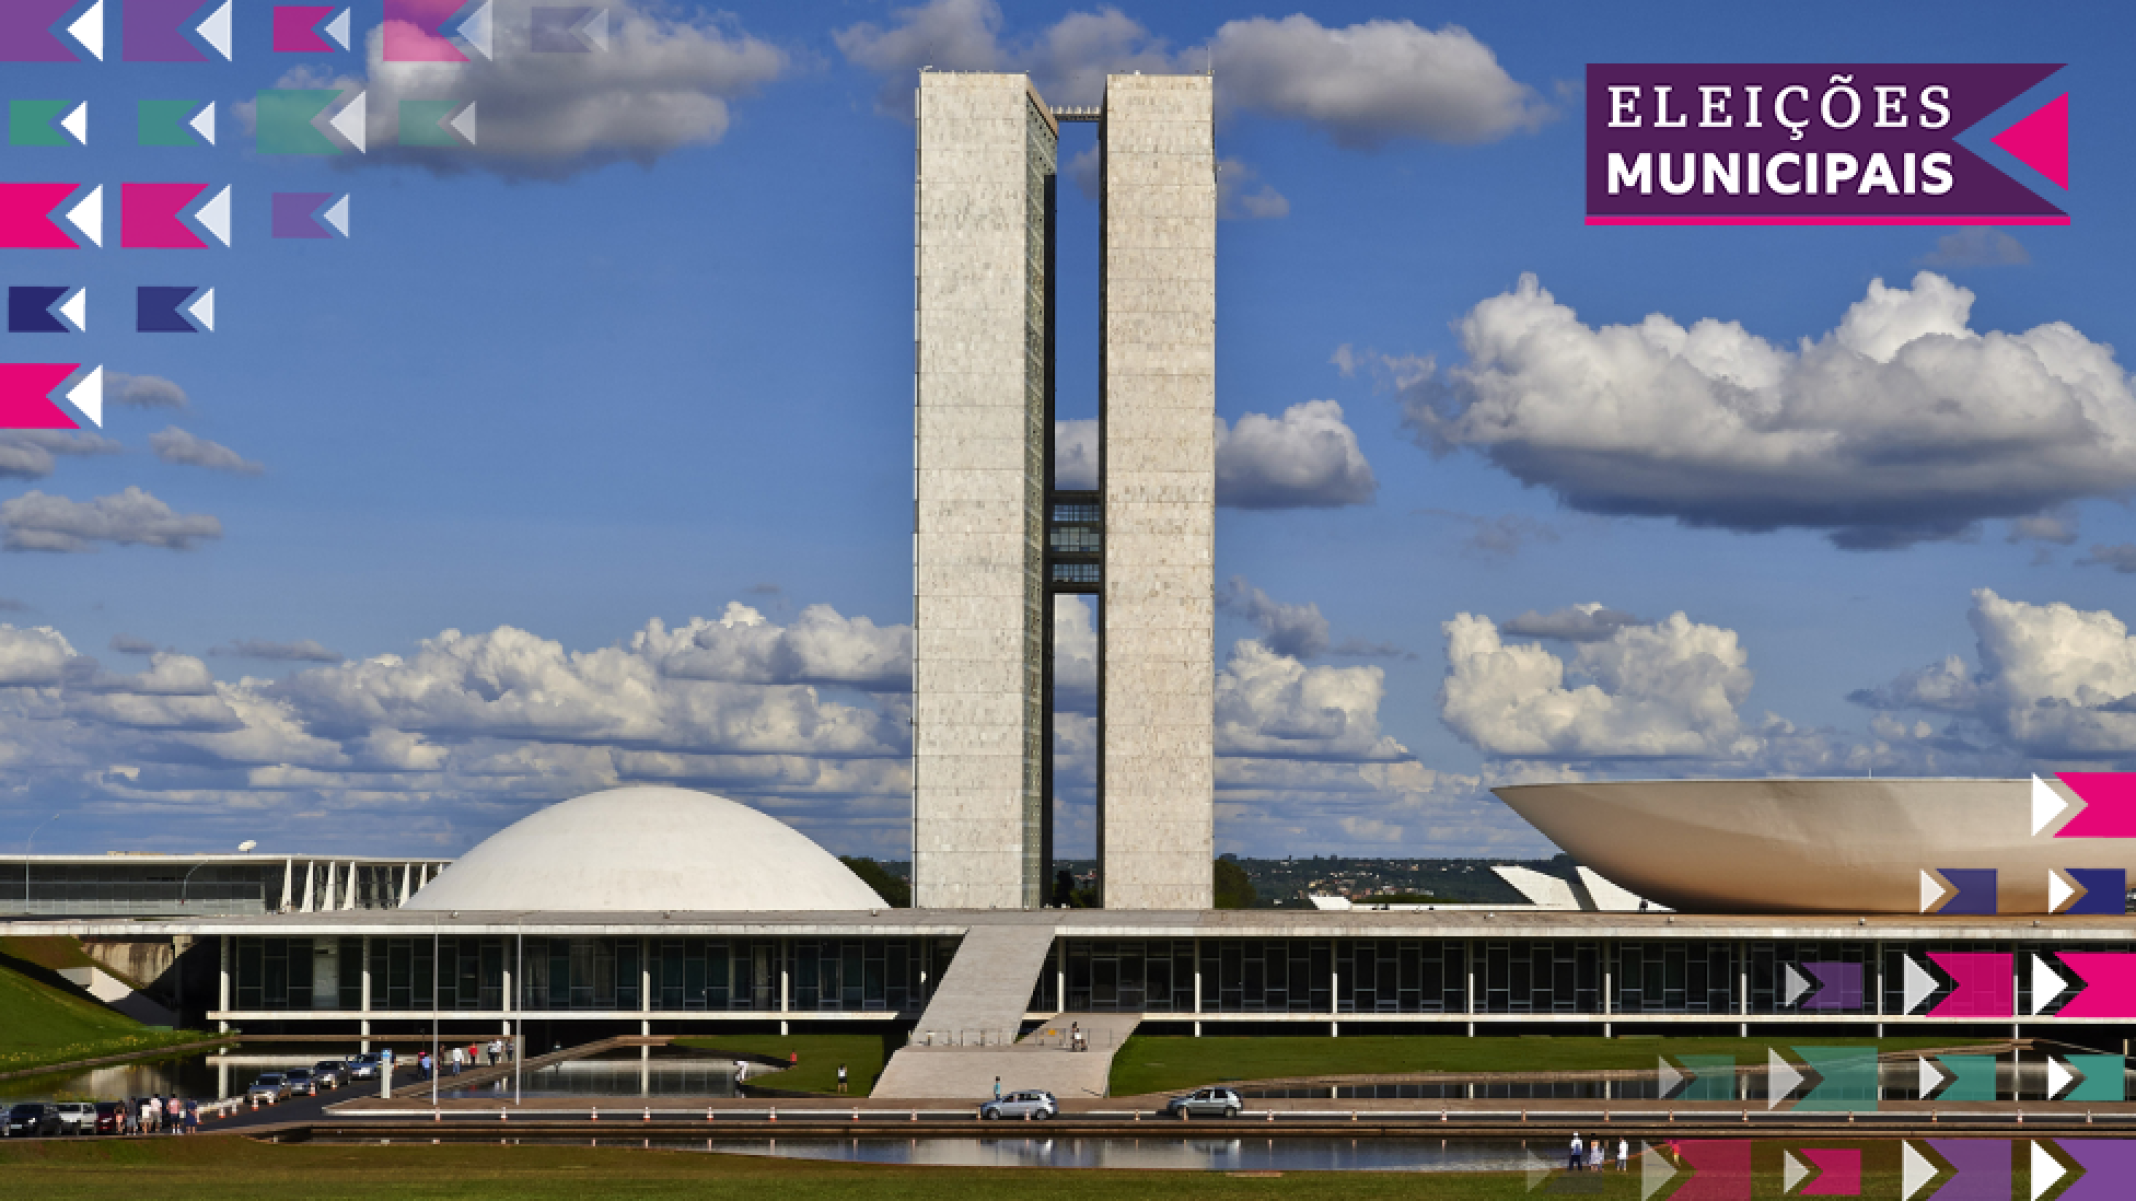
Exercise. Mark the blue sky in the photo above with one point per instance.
(643, 354)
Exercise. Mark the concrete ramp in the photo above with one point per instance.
(119, 995)
(984, 995)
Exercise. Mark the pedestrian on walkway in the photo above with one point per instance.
(457, 1056)
(145, 1120)
(741, 1073)
(841, 1078)
(174, 1115)
(192, 1117)
(422, 1065)
(1596, 1154)
(997, 1088)
(1578, 1159)
(1075, 1036)
(496, 1048)
(1624, 1155)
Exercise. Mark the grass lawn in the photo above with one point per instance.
(1149, 1065)
(221, 1166)
(41, 1022)
(821, 1054)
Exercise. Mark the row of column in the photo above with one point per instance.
(341, 885)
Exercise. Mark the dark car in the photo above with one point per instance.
(330, 1073)
(301, 1082)
(33, 1119)
(110, 1117)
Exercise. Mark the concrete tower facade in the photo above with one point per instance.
(982, 231)
(993, 541)
(1157, 413)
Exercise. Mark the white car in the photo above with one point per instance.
(77, 1117)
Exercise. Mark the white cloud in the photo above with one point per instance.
(33, 657)
(35, 521)
(1305, 459)
(174, 445)
(1268, 704)
(1363, 85)
(143, 391)
(1576, 623)
(2058, 526)
(1075, 453)
(1238, 199)
(1666, 690)
(1977, 246)
(1899, 425)
(820, 647)
(1298, 631)
(29, 454)
(665, 82)
(1075, 653)
(1373, 82)
(2052, 681)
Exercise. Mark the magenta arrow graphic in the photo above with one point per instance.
(2109, 984)
(1839, 1171)
(1986, 988)
(2109, 804)
(1720, 1171)
(2109, 1164)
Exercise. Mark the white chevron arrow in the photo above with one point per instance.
(1781, 1078)
(2047, 984)
(2047, 1171)
(75, 309)
(476, 29)
(1796, 984)
(1671, 1079)
(88, 216)
(214, 216)
(1919, 986)
(88, 29)
(463, 123)
(2059, 1078)
(2047, 805)
(1915, 1171)
(76, 122)
(204, 123)
(350, 123)
(215, 31)
(203, 310)
(1933, 890)
(88, 396)
(1931, 1078)
(1793, 1171)
(338, 29)
(1654, 1171)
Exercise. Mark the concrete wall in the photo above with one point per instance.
(1158, 409)
(986, 148)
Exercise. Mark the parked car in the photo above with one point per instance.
(1206, 1103)
(268, 1089)
(301, 1082)
(33, 1119)
(1034, 1104)
(110, 1117)
(77, 1117)
(364, 1066)
(330, 1073)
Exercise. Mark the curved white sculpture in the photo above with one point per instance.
(640, 850)
(1809, 846)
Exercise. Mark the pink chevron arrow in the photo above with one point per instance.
(1839, 1171)
(296, 29)
(149, 216)
(2041, 140)
(2109, 984)
(1720, 1171)
(2109, 804)
(1986, 987)
(26, 216)
(26, 396)
(415, 31)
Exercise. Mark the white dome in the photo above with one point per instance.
(639, 850)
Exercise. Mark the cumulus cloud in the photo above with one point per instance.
(1305, 459)
(1575, 623)
(1075, 453)
(1270, 704)
(1666, 690)
(1977, 246)
(1075, 654)
(820, 647)
(1298, 631)
(143, 391)
(2120, 556)
(174, 445)
(304, 650)
(33, 657)
(665, 82)
(1238, 199)
(2058, 526)
(1374, 82)
(29, 454)
(35, 521)
(1899, 425)
(2051, 681)
(1364, 85)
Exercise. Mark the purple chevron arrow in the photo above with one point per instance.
(26, 32)
(1983, 1167)
(2109, 1164)
(1839, 986)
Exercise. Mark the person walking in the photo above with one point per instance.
(1075, 1036)
(997, 1088)
(741, 1073)
(496, 1048)
(1578, 1158)
(1596, 1154)
(192, 1117)
(841, 1078)
(1624, 1155)
(174, 1115)
(145, 1119)
(457, 1056)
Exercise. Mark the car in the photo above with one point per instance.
(1033, 1104)
(110, 1117)
(330, 1073)
(33, 1119)
(364, 1066)
(77, 1117)
(1206, 1102)
(301, 1082)
(268, 1089)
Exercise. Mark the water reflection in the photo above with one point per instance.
(1198, 1155)
(627, 1072)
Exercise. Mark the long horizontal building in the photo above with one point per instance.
(135, 884)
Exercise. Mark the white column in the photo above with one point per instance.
(367, 978)
(289, 867)
(1197, 984)
(348, 900)
(645, 979)
(222, 994)
(407, 878)
(333, 885)
(310, 868)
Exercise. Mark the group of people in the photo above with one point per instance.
(1594, 1157)
(1077, 1040)
(160, 1115)
(457, 1058)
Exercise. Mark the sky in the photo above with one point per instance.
(585, 458)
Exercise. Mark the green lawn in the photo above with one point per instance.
(221, 1166)
(41, 1022)
(821, 1054)
(1151, 1065)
